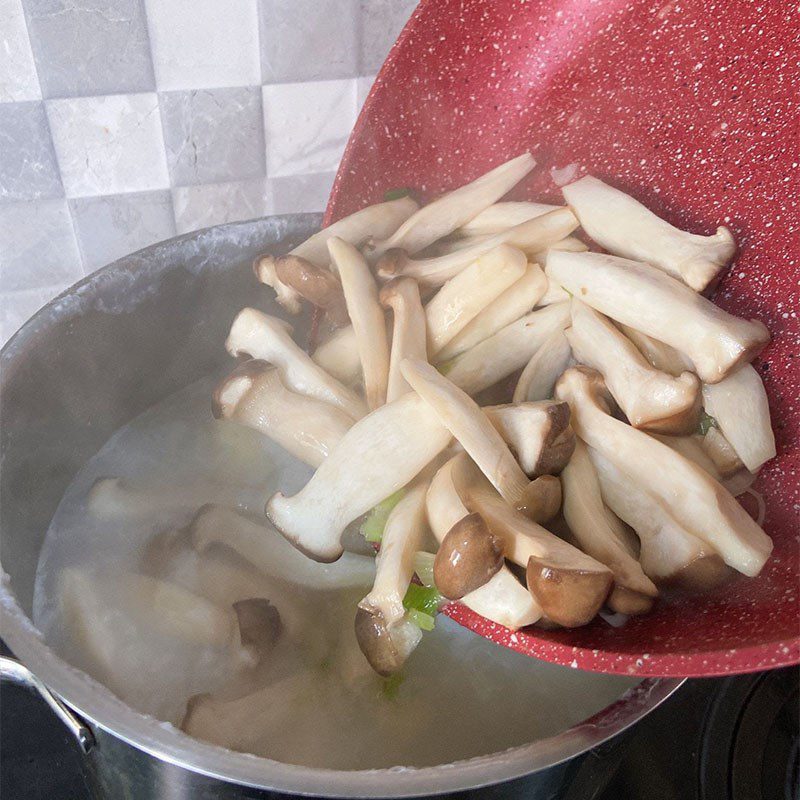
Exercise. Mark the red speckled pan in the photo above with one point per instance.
(693, 106)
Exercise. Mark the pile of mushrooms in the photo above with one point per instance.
(534, 407)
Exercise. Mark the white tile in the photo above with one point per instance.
(16, 308)
(204, 44)
(301, 193)
(307, 125)
(109, 145)
(217, 203)
(18, 79)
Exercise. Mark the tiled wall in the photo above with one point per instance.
(124, 122)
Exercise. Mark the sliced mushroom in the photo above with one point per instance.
(316, 284)
(553, 293)
(571, 244)
(254, 395)
(569, 585)
(539, 434)
(378, 220)
(670, 555)
(541, 500)
(507, 350)
(693, 497)
(338, 356)
(513, 303)
(503, 599)
(586, 516)
(531, 236)
(537, 379)
(651, 301)
(660, 355)
(365, 311)
(469, 425)
(625, 227)
(385, 651)
(691, 447)
(465, 295)
(259, 625)
(114, 497)
(269, 339)
(652, 400)
(454, 209)
(409, 338)
(502, 216)
(721, 452)
(379, 455)
(739, 405)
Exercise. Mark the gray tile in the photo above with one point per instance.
(307, 40)
(217, 203)
(90, 48)
(37, 246)
(213, 135)
(300, 193)
(111, 227)
(16, 308)
(28, 168)
(381, 23)
(18, 79)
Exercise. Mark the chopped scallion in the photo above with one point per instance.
(422, 620)
(706, 423)
(373, 525)
(391, 686)
(422, 598)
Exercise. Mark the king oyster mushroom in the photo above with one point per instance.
(660, 355)
(651, 301)
(318, 285)
(625, 227)
(547, 364)
(500, 216)
(338, 356)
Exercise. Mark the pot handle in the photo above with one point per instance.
(18, 673)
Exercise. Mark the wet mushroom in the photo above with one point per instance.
(651, 399)
(625, 227)
(338, 356)
(547, 364)
(660, 355)
(501, 216)
(571, 244)
(651, 301)
(385, 651)
(318, 285)
(541, 500)
(269, 339)
(259, 626)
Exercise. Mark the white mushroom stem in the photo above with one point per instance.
(502, 216)
(379, 220)
(571, 244)
(625, 227)
(379, 455)
(651, 399)
(462, 416)
(691, 447)
(449, 212)
(254, 395)
(115, 497)
(508, 350)
(338, 356)
(660, 355)
(651, 301)
(546, 366)
(721, 452)
(739, 405)
(269, 339)
(464, 296)
(531, 236)
(586, 516)
(516, 301)
(369, 323)
(503, 599)
(409, 339)
(669, 553)
(693, 497)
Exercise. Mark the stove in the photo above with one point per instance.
(732, 738)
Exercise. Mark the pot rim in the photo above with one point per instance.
(103, 710)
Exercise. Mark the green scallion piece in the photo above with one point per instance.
(706, 423)
(391, 686)
(373, 525)
(422, 598)
(422, 620)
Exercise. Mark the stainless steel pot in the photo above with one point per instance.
(100, 354)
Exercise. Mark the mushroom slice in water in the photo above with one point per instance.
(508, 350)
(254, 395)
(739, 405)
(670, 555)
(454, 209)
(660, 355)
(625, 227)
(501, 216)
(516, 301)
(569, 585)
(693, 497)
(539, 434)
(461, 415)
(590, 525)
(385, 650)
(651, 399)
(365, 311)
(316, 284)
(502, 599)
(651, 301)
(531, 236)
(378, 220)
(269, 339)
(259, 625)
(379, 455)
(409, 338)
(465, 295)
(338, 356)
(537, 379)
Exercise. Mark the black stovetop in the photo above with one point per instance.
(716, 739)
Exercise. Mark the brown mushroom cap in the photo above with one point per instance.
(702, 574)
(541, 500)
(559, 441)
(628, 601)
(259, 625)
(316, 284)
(469, 555)
(391, 263)
(376, 642)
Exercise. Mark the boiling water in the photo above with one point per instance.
(314, 701)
